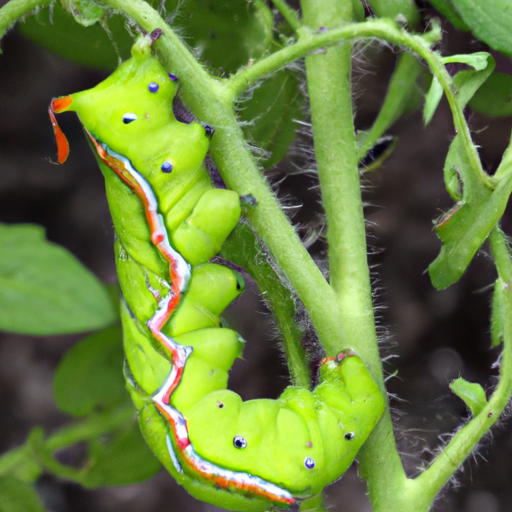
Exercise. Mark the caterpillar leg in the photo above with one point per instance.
(352, 398)
(212, 288)
(201, 236)
(348, 382)
(214, 351)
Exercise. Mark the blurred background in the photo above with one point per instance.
(428, 337)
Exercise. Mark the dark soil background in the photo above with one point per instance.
(428, 337)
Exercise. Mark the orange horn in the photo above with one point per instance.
(56, 106)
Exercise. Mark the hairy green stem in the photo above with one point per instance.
(311, 40)
(15, 9)
(448, 461)
(241, 174)
(289, 14)
(329, 87)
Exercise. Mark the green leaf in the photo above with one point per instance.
(464, 229)
(123, 459)
(432, 99)
(489, 20)
(90, 375)
(18, 496)
(357, 10)
(471, 393)
(44, 289)
(85, 12)
(478, 61)
(465, 82)
(453, 166)
(466, 226)
(226, 34)
(494, 98)
(404, 93)
(446, 8)
(271, 115)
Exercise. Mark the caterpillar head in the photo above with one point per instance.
(131, 112)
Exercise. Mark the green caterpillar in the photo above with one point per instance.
(170, 221)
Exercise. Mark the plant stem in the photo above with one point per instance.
(311, 40)
(15, 9)
(329, 86)
(314, 504)
(448, 461)
(289, 14)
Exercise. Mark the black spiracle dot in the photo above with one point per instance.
(220, 405)
(209, 130)
(349, 436)
(153, 87)
(166, 166)
(129, 118)
(309, 463)
(239, 442)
